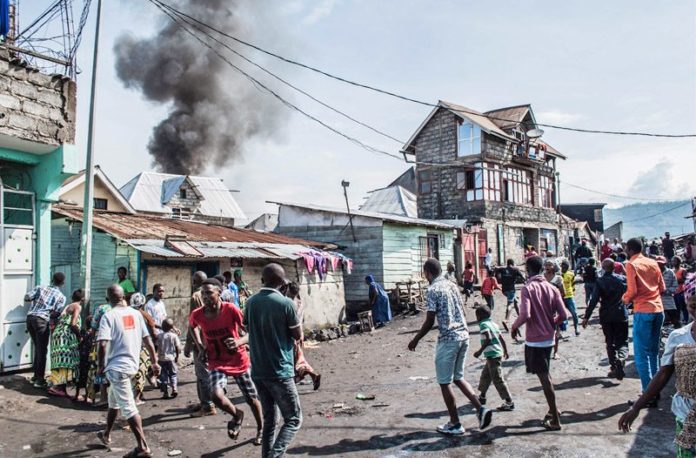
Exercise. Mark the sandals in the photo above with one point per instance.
(546, 423)
(259, 438)
(137, 453)
(235, 426)
(56, 392)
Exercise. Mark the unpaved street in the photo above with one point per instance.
(401, 420)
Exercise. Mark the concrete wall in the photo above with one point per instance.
(176, 279)
(77, 194)
(35, 107)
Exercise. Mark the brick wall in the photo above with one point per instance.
(34, 106)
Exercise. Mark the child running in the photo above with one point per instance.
(569, 296)
(494, 350)
(490, 284)
(168, 348)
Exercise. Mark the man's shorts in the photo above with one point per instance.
(510, 296)
(537, 359)
(450, 358)
(218, 379)
(121, 393)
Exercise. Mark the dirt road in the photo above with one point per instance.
(400, 421)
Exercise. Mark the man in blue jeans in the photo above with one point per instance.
(644, 285)
(271, 321)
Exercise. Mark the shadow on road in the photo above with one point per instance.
(587, 382)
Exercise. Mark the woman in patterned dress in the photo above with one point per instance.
(137, 301)
(65, 355)
(95, 380)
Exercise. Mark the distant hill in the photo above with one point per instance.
(651, 219)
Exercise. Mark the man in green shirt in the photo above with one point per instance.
(273, 326)
(125, 283)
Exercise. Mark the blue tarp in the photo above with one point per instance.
(4, 17)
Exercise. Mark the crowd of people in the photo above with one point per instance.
(630, 280)
(256, 339)
(129, 341)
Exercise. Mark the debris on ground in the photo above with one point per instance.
(364, 397)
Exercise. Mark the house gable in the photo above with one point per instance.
(106, 195)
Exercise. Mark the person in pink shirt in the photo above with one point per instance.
(488, 287)
(541, 309)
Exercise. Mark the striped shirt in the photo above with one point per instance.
(490, 330)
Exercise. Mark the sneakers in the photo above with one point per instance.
(40, 384)
(619, 369)
(450, 430)
(482, 400)
(507, 407)
(485, 416)
(204, 412)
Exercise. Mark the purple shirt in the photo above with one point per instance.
(541, 308)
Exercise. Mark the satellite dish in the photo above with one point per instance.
(535, 133)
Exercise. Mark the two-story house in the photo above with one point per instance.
(485, 169)
(183, 197)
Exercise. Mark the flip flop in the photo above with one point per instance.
(102, 438)
(259, 438)
(235, 426)
(58, 393)
(317, 382)
(137, 453)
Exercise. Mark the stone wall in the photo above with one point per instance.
(33, 106)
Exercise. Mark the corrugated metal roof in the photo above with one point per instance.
(146, 192)
(369, 214)
(393, 200)
(477, 118)
(223, 249)
(142, 227)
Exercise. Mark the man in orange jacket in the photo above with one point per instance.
(644, 284)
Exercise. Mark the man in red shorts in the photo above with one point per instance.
(220, 324)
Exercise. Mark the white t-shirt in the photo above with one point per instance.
(157, 311)
(167, 344)
(124, 328)
(681, 406)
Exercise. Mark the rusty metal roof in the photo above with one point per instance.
(144, 227)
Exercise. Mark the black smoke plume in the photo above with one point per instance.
(214, 110)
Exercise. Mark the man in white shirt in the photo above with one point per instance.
(156, 309)
(122, 333)
(488, 259)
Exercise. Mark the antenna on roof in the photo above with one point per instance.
(535, 133)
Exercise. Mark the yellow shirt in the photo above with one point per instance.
(568, 284)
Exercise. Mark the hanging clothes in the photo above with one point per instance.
(379, 299)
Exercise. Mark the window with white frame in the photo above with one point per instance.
(468, 139)
(546, 192)
(472, 182)
(516, 186)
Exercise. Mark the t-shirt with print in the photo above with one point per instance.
(443, 298)
(490, 330)
(216, 330)
(167, 345)
(269, 317)
(568, 284)
(124, 328)
(681, 406)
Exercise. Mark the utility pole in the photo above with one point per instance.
(345, 185)
(88, 207)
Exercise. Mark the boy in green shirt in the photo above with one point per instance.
(494, 349)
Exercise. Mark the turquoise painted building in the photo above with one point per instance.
(37, 153)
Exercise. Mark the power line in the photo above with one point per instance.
(278, 78)
(618, 196)
(259, 85)
(176, 18)
(410, 99)
(642, 218)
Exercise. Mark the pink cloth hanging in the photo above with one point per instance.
(334, 263)
(309, 262)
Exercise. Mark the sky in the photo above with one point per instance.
(620, 65)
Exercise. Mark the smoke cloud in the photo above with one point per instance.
(214, 109)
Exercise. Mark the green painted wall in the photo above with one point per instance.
(43, 174)
(402, 254)
(107, 255)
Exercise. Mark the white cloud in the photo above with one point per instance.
(559, 118)
(322, 10)
(660, 182)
